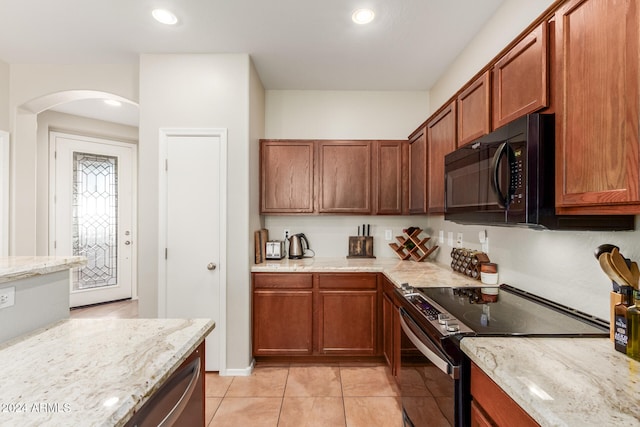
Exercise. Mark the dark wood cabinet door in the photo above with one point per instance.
(520, 78)
(478, 417)
(347, 322)
(441, 140)
(501, 409)
(344, 177)
(286, 176)
(474, 110)
(388, 314)
(282, 322)
(390, 176)
(597, 106)
(418, 172)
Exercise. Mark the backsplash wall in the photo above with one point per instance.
(329, 235)
(557, 265)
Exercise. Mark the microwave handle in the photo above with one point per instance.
(503, 150)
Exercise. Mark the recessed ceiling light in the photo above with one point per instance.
(363, 16)
(113, 102)
(164, 16)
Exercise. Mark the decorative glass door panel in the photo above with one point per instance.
(95, 219)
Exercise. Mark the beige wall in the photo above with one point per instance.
(27, 83)
(510, 19)
(219, 91)
(4, 96)
(55, 121)
(554, 264)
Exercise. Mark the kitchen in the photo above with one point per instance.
(558, 265)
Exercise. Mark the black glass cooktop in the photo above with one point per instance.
(514, 312)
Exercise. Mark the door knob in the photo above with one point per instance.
(211, 266)
(127, 242)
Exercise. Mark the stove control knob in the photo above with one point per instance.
(443, 318)
(452, 327)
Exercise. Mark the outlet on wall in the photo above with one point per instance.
(441, 237)
(459, 240)
(7, 297)
(388, 235)
(286, 234)
(450, 238)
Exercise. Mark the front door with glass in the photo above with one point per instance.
(92, 215)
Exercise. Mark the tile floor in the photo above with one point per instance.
(323, 395)
(337, 394)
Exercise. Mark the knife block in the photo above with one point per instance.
(360, 247)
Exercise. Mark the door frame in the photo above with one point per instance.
(134, 195)
(164, 135)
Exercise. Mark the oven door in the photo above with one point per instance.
(430, 382)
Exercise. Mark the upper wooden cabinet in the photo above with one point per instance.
(474, 110)
(418, 172)
(597, 106)
(390, 177)
(520, 78)
(441, 140)
(286, 176)
(344, 177)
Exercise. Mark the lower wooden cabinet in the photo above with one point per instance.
(319, 314)
(491, 406)
(282, 314)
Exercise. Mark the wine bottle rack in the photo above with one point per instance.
(411, 246)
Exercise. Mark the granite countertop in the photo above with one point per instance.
(417, 274)
(21, 267)
(563, 381)
(92, 372)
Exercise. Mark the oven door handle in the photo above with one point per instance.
(427, 347)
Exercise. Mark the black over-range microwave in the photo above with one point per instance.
(508, 178)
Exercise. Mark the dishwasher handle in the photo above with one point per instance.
(424, 344)
(177, 410)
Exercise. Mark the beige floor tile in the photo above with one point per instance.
(424, 411)
(373, 411)
(312, 412)
(263, 382)
(215, 385)
(247, 411)
(210, 407)
(368, 381)
(313, 381)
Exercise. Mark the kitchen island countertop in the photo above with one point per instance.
(92, 372)
(563, 381)
(21, 267)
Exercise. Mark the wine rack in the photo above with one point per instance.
(410, 245)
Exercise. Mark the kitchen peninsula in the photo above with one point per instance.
(557, 381)
(93, 372)
(34, 292)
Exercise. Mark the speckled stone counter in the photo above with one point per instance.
(563, 381)
(418, 274)
(91, 372)
(21, 267)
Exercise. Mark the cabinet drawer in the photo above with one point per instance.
(347, 281)
(283, 280)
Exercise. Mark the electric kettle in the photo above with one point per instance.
(298, 245)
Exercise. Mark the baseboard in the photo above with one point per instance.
(244, 372)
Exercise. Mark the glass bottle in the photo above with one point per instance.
(633, 328)
(621, 336)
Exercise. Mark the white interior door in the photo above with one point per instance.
(93, 195)
(194, 250)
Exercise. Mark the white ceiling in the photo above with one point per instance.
(295, 44)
